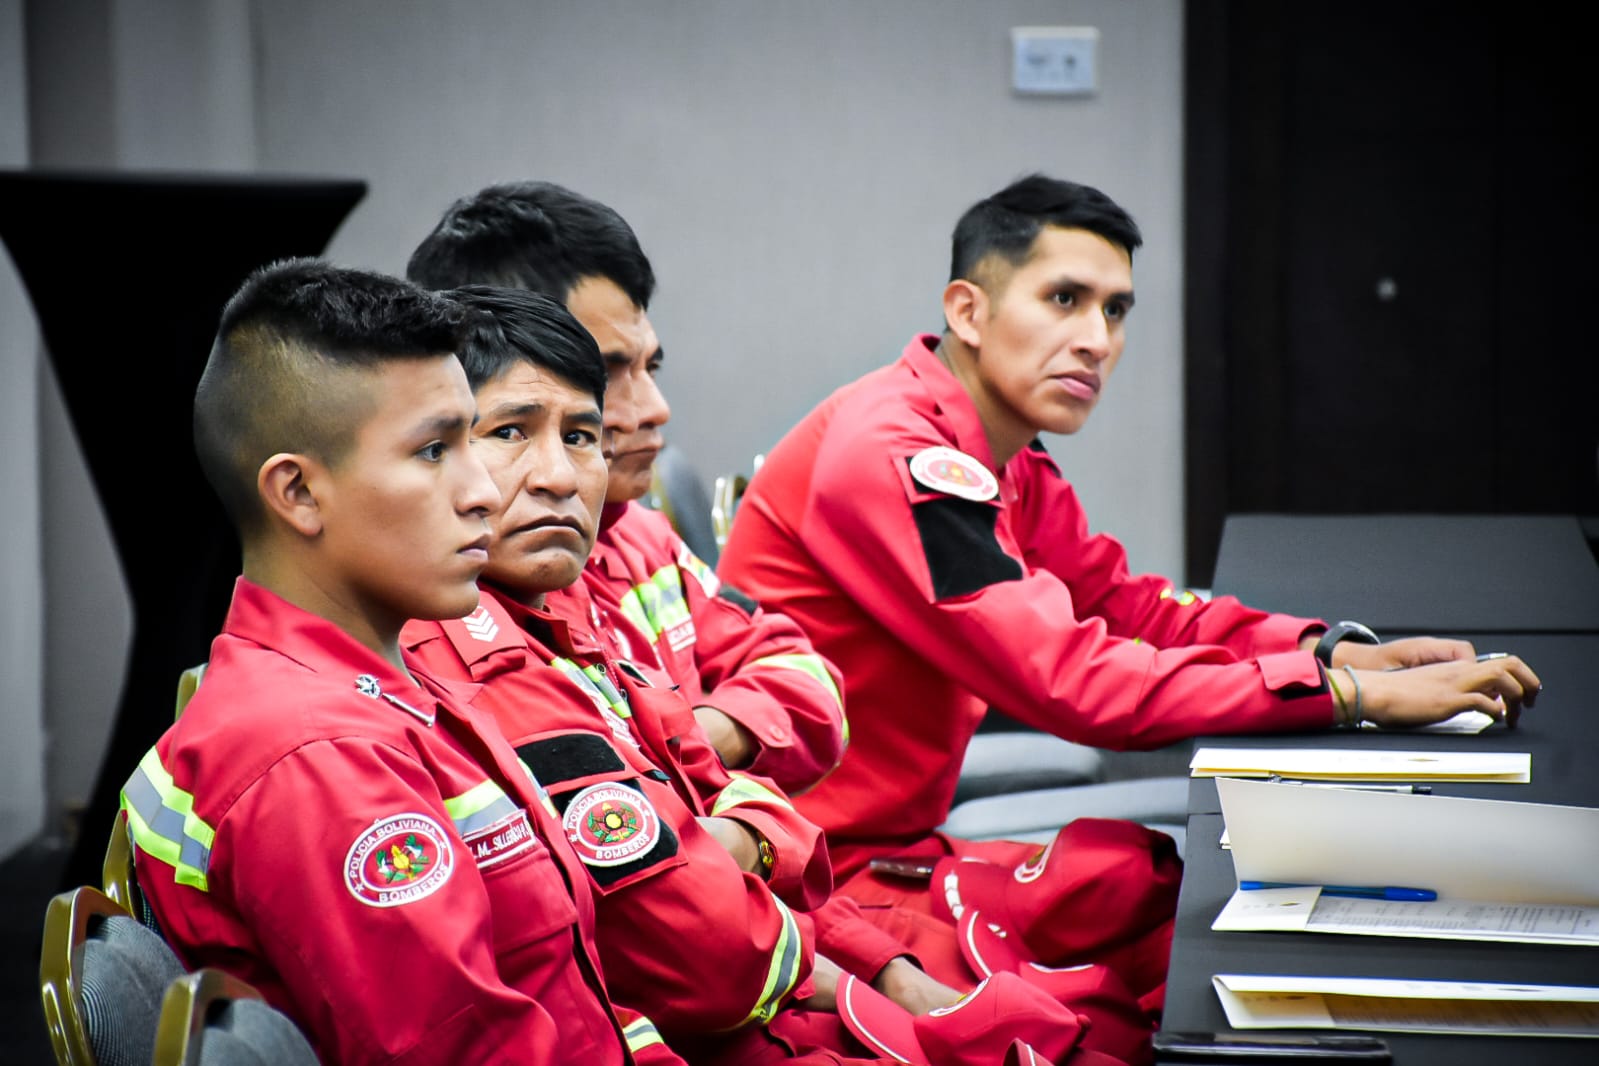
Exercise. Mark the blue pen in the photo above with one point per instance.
(1388, 892)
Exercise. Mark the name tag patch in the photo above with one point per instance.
(400, 859)
(610, 824)
(505, 839)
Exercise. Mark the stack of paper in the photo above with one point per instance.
(1523, 872)
(1262, 1002)
(1363, 764)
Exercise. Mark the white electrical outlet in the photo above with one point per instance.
(1054, 60)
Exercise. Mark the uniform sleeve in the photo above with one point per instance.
(1053, 531)
(383, 975)
(844, 935)
(931, 565)
(686, 936)
(801, 875)
(759, 669)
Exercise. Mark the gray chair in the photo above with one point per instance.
(677, 492)
(1158, 802)
(1024, 761)
(211, 1019)
(102, 975)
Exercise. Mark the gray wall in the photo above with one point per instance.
(793, 170)
(22, 793)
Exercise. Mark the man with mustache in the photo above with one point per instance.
(719, 951)
(767, 701)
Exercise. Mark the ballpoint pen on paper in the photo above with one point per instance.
(1412, 790)
(1394, 893)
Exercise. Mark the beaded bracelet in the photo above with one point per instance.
(1360, 711)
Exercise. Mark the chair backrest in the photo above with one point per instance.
(101, 976)
(212, 1019)
(725, 495)
(677, 492)
(188, 682)
(120, 880)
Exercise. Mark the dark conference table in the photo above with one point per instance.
(1415, 573)
(1552, 632)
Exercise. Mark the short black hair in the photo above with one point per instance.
(532, 235)
(1007, 223)
(505, 326)
(286, 372)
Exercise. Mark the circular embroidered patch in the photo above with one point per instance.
(955, 473)
(611, 824)
(400, 859)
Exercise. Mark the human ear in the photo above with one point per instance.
(965, 308)
(284, 482)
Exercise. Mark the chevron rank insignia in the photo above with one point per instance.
(481, 625)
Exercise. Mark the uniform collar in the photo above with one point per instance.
(561, 625)
(263, 617)
(604, 558)
(951, 400)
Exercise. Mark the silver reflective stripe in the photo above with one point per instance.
(163, 823)
(479, 807)
(641, 1034)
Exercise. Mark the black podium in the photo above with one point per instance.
(128, 274)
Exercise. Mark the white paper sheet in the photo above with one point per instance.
(1307, 910)
(1467, 722)
(1489, 851)
(1369, 764)
(1255, 1001)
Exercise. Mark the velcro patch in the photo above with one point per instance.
(400, 859)
(953, 473)
(570, 757)
(611, 824)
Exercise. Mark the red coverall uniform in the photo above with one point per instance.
(717, 645)
(938, 600)
(367, 851)
(686, 935)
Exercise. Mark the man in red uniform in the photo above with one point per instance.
(323, 822)
(916, 528)
(693, 896)
(767, 701)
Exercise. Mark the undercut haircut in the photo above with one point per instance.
(1007, 224)
(290, 370)
(532, 235)
(507, 326)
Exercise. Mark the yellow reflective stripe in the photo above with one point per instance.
(596, 685)
(1183, 598)
(164, 826)
(658, 604)
(783, 974)
(696, 567)
(812, 666)
(641, 1034)
(742, 790)
(479, 806)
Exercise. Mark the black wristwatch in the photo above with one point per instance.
(1338, 633)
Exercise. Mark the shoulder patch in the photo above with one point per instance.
(953, 473)
(610, 824)
(400, 859)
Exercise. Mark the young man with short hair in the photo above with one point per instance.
(324, 821)
(767, 701)
(915, 526)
